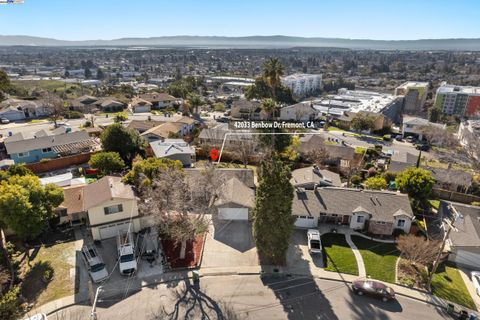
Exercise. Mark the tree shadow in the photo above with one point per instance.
(193, 303)
(36, 280)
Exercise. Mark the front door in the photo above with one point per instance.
(346, 219)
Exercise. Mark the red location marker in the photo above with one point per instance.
(214, 154)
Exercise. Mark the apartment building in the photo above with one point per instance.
(458, 100)
(415, 95)
(303, 84)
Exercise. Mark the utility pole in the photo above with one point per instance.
(444, 241)
(93, 314)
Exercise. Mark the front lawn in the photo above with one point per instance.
(45, 272)
(379, 258)
(447, 283)
(337, 254)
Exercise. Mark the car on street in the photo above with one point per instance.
(476, 281)
(410, 139)
(374, 289)
(399, 138)
(4, 121)
(422, 147)
(314, 241)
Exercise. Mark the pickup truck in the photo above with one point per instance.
(127, 262)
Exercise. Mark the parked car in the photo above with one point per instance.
(314, 241)
(476, 281)
(95, 265)
(422, 147)
(373, 288)
(399, 138)
(410, 139)
(4, 121)
(126, 254)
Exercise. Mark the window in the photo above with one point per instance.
(380, 222)
(62, 212)
(23, 154)
(113, 209)
(310, 218)
(401, 223)
(303, 217)
(46, 150)
(334, 215)
(360, 219)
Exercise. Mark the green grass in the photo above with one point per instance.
(379, 258)
(58, 259)
(360, 150)
(32, 121)
(338, 256)
(335, 129)
(448, 284)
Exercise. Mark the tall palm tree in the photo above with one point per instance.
(272, 72)
(270, 107)
(195, 100)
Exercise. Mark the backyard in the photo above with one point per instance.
(379, 258)
(338, 255)
(448, 284)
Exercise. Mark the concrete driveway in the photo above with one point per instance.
(465, 273)
(299, 260)
(229, 244)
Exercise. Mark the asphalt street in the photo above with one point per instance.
(251, 297)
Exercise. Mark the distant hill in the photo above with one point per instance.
(252, 42)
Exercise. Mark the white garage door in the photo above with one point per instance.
(112, 230)
(467, 258)
(233, 213)
(306, 222)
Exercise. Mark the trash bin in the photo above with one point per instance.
(196, 277)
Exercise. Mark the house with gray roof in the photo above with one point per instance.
(312, 177)
(235, 200)
(174, 149)
(402, 160)
(463, 243)
(28, 148)
(378, 212)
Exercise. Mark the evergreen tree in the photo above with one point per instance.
(272, 216)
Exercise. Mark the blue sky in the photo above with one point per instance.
(365, 19)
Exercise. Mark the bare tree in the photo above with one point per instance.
(245, 150)
(439, 137)
(55, 107)
(418, 250)
(317, 155)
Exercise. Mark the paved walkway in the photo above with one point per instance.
(470, 286)
(358, 256)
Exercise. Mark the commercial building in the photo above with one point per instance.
(303, 84)
(458, 100)
(354, 101)
(415, 95)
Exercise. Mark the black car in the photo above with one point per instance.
(422, 147)
(373, 288)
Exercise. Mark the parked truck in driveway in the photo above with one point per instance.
(127, 261)
(94, 262)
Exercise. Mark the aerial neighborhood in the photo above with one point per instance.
(222, 173)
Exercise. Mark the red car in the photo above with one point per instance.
(374, 289)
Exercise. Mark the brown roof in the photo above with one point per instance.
(186, 120)
(140, 102)
(154, 97)
(143, 125)
(105, 189)
(73, 199)
(164, 129)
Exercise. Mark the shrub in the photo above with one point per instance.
(476, 203)
(409, 282)
(9, 304)
(356, 180)
(44, 160)
(73, 115)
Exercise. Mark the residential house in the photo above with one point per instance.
(303, 111)
(451, 179)
(16, 109)
(164, 131)
(23, 147)
(159, 100)
(402, 160)
(377, 212)
(85, 104)
(235, 201)
(337, 154)
(216, 137)
(174, 149)
(463, 243)
(379, 120)
(143, 125)
(72, 210)
(111, 207)
(415, 127)
(247, 110)
(311, 177)
(139, 105)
